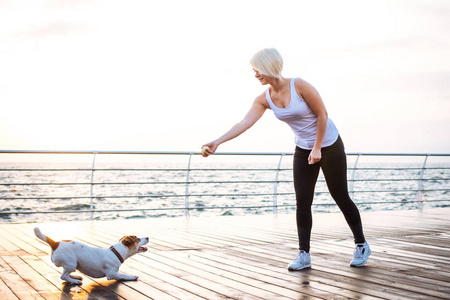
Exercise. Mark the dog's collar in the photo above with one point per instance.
(116, 253)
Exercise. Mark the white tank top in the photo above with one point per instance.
(302, 121)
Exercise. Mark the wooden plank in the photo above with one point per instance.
(398, 258)
(5, 291)
(340, 281)
(429, 246)
(242, 258)
(416, 280)
(311, 286)
(25, 233)
(18, 285)
(185, 285)
(112, 289)
(344, 272)
(52, 276)
(10, 248)
(159, 262)
(196, 258)
(33, 278)
(13, 235)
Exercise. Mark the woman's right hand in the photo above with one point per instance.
(212, 148)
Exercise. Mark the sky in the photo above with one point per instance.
(174, 75)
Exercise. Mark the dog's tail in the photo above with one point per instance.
(54, 245)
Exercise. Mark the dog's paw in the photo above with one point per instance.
(119, 276)
(76, 282)
(133, 277)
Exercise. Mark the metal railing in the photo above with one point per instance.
(401, 181)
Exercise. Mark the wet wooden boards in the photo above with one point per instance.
(241, 258)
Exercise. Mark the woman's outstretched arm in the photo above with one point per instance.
(253, 115)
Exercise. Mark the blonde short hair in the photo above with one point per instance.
(268, 61)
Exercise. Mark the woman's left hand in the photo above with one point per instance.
(315, 156)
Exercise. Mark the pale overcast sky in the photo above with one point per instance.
(173, 75)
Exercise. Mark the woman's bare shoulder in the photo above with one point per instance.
(300, 82)
(303, 87)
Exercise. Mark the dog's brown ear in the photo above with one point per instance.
(128, 241)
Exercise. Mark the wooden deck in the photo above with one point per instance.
(241, 258)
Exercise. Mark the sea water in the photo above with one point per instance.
(227, 186)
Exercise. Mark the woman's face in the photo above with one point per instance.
(261, 77)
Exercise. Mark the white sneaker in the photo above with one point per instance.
(360, 255)
(301, 261)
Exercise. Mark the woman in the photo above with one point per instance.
(318, 145)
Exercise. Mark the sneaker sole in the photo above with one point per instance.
(298, 269)
(362, 264)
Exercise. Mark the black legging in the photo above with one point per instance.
(334, 168)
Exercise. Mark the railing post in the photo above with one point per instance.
(92, 187)
(352, 182)
(420, 196)
(275, 187)
(186, 192)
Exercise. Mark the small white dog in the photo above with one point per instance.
(94, 262)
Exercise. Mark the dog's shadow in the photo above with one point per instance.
(105, 290)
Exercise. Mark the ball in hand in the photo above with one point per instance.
(205, 150)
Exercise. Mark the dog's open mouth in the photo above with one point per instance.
(142, 249)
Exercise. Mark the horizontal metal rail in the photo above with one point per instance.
(201, 182)
(206, 169)
(195, 208)
(441, 192)
(214, 194)
(199, 153)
